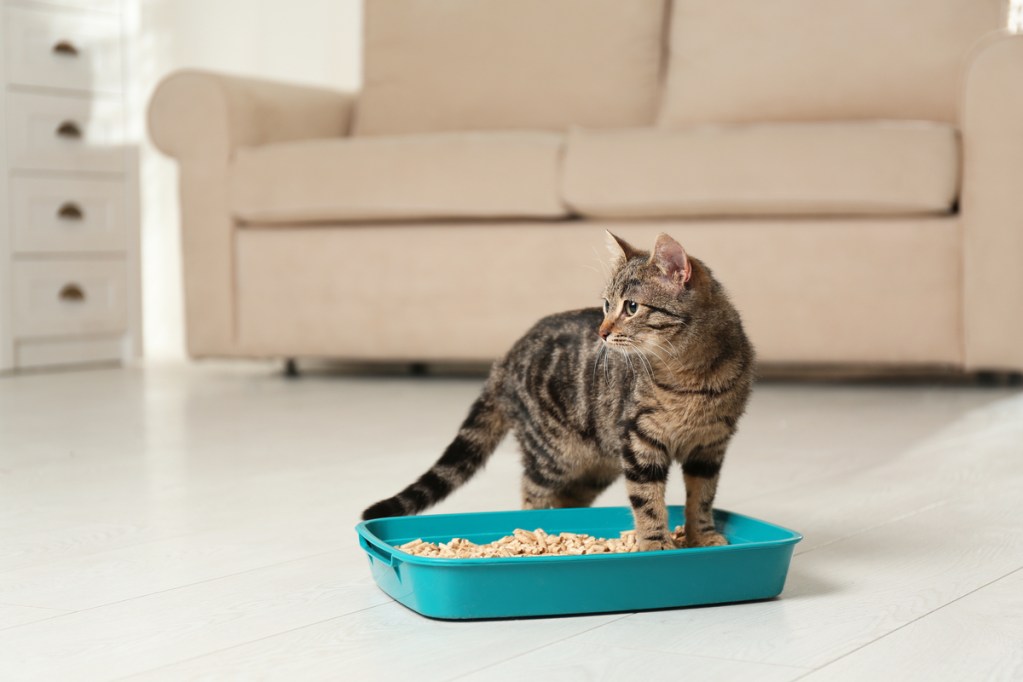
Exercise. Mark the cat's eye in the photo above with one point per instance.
(631, 307)
(607, 306)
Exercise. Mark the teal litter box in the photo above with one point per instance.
(753, 566)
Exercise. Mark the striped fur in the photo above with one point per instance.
(663, 376)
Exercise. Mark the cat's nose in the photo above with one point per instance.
(604, 332)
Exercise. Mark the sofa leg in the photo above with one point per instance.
(290, 368)
(999, 379)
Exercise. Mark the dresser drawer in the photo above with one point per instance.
(59, 298)
(67, 215)
(39, 353)
(65, 133)
(62, 49)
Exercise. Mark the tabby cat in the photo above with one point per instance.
(662, 373)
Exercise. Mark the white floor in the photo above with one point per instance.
(183, 523)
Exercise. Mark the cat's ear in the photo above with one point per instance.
(671, 259)
(619, 249)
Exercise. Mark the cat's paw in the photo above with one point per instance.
(646, 545)
(706, 540)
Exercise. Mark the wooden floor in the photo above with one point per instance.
(180, 523)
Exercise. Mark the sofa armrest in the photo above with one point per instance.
(992, 205)
(200, 119)
(202, 115)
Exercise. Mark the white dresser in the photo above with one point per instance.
(69, 219)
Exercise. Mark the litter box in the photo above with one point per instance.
(753, 566)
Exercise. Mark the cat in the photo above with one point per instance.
(661, 374)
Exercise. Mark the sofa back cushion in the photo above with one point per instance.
(452, 65)
(792, 60)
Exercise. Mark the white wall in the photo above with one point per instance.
(302, 41)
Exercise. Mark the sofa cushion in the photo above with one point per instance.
(868, 291)
(447, 175)
(441, 65)
(789, 60)
(766, 169)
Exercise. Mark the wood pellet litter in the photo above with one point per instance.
(526, 543)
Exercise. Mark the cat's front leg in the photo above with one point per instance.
(645, 463)
(701, 470)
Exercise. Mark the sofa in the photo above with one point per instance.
(852, 172)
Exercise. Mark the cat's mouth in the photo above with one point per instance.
(622, 343)
(645, 348)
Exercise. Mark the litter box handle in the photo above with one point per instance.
(378, 552)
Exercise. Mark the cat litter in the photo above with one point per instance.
(525, 543)
(752, 566)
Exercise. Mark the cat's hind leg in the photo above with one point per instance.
(538, 494)
(573, 477)
(582, 491)
(544, 476)
(563, 479)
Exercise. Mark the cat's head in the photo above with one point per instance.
(651, 298)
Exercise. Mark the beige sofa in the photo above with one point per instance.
(853, 172)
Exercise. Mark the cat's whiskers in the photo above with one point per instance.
(646, 365)
(607, 378)
(601, 351)
(648, 345)
(656, 355)
(644, 360)
(672, 346)
(629, 348)
(673, 355)
(615, 344)
(660, 357)
(651, 364)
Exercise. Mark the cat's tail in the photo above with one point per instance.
(478, 437)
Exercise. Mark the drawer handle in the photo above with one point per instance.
(70, 130)
(70, 211)
(65, 48)
(71, 293)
